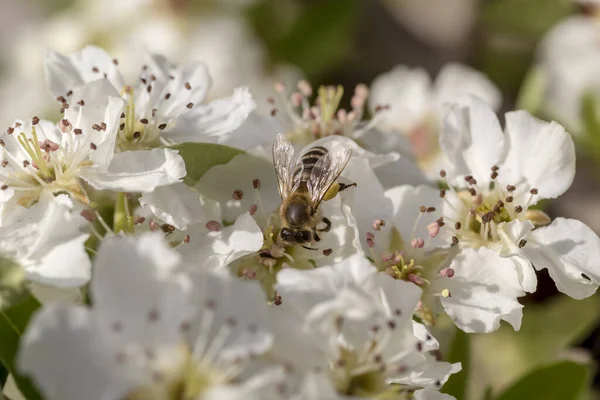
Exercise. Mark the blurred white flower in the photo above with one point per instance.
(162, 108)
(306, 116)
(349, 333)
(38, 156)
(495, 177)
(47, 241)
(569, 58)
(442, 23)
(152, 333)
(410, 109)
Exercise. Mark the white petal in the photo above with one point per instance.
(367, 200)
(257, 130)
(193, 75)
(215, 250)
(238, 304)
(67, 265)
(102, 104)
(138, 171)
(429, 342)
(430, 394)
(66, 73)
(430, 373)
(306, 288)
(176, 204)
(66, 335)
(408, 93)
(133, 280)
(472, 140)
(456, 79)
(406, 201)
(221, 181)
(48, 241)
(511, 233)
(568, 249)
(484, 290)
(214, 121)
(550, 171)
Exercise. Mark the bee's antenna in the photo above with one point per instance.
(310, 248)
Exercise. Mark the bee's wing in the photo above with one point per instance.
(325, 172)
(285, 161)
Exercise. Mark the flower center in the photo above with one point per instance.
(135, 132)
(355, 377)
(32, 165)
(186, 382)
(323, 117)
(477, 213)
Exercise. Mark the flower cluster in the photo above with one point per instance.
(310, 261)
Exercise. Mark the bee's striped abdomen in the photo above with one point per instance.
(309, 159)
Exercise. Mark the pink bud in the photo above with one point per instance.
(447, 272)
(417, 243)
(252, 209)
(357, 102)
(361, 90)
(296, 99)
(434, 229)
(153, 225)
(305, 88)
(279, 87)
(89, 215)
(213, 226)
(370, 243)
(416, 279)
(378, 223)
(370, 236)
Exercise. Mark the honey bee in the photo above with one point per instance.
(303, 183)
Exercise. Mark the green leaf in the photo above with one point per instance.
(13, 322)
(459, 352)
(12, 283)
(319, 37)
(314, 36)
(561, 381)
(501, 357)
(526, 18)
(589, 142)
(200, 157)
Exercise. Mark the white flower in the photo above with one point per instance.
(349, 331)
(406, 244)
(163, 107)
(494, 177)
(47, 241)
(304, 121)
(569, 57)
(152, 332)
(38, 156)
(411, 108)
(247, 184)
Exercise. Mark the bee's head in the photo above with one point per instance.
(290, 236)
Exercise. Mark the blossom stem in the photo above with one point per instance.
(121, 218)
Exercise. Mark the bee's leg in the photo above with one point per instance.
(327, 225)
(316, 237)
(344, 186)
